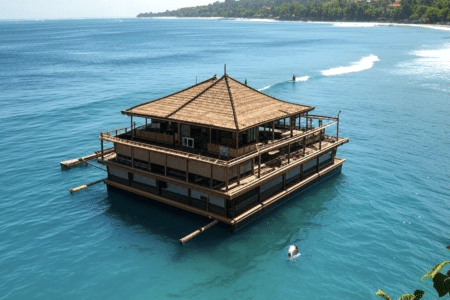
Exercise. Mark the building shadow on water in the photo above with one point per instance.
(171, 223)
(157, 218)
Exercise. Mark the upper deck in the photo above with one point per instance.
(278, 148)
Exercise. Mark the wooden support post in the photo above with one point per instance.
(239, 173)
(179, 133)
(165, 167)
(101, 144)
(210, 135)
(259, 165)
(304, 146)
(197, 232)
(292, 128)
(273, 130)
(257, 134)
(317, 164)
(228, 179)
(132, 132)
(253, 166)
(145, 122)
(259, 194)
(320, 139)
(289, 153)
(211, 178)
(337, 127)
(81, 187)
(306, 122)
(237, 140)
(149, 162)
(187, 169)
(132, 157)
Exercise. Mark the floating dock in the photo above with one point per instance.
(220, 149)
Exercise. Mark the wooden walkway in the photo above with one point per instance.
(108, 153)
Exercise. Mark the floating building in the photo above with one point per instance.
(222, 150)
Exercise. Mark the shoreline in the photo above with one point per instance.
(334, 23)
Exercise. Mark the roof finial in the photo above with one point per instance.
(245, 81)
(225, 70)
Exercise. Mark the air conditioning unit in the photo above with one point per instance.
(188, 142)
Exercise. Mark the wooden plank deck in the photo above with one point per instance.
(76, 161)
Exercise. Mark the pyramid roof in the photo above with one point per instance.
(223, 103)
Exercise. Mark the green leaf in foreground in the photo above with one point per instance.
(436, 269)
(407, 297)
(383, 295)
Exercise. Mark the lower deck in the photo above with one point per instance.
(233, 211)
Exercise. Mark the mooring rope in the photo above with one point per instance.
(95, 166)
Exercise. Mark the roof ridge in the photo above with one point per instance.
(232, 101)
(192, 100)
(284, 101)
(183, 90)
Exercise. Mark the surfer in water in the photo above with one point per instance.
(293, 78)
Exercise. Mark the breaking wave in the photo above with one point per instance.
(301, 79)
(364, 64)
(265, 88)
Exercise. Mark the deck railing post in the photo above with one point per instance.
(259, 165)
(337, 127)
(101, 143)
(289, 153)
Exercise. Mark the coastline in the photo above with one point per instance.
(334, 23)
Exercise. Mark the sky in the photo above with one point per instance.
(68, 9)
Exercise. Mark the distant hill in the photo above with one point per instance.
(415, 11)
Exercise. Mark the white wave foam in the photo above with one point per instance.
(358, 24)
(364, 64)
(301, 79)
(265, 88)
(256, 20)
(429, 63)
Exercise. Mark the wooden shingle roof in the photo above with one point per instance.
(223, 103)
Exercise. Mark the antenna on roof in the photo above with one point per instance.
(245, 81)
(225, 70)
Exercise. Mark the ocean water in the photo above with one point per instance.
(380, 224)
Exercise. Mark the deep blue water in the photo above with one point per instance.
(380, 224)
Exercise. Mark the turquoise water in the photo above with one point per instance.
(381, 223)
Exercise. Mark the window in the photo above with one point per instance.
(188, 142)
